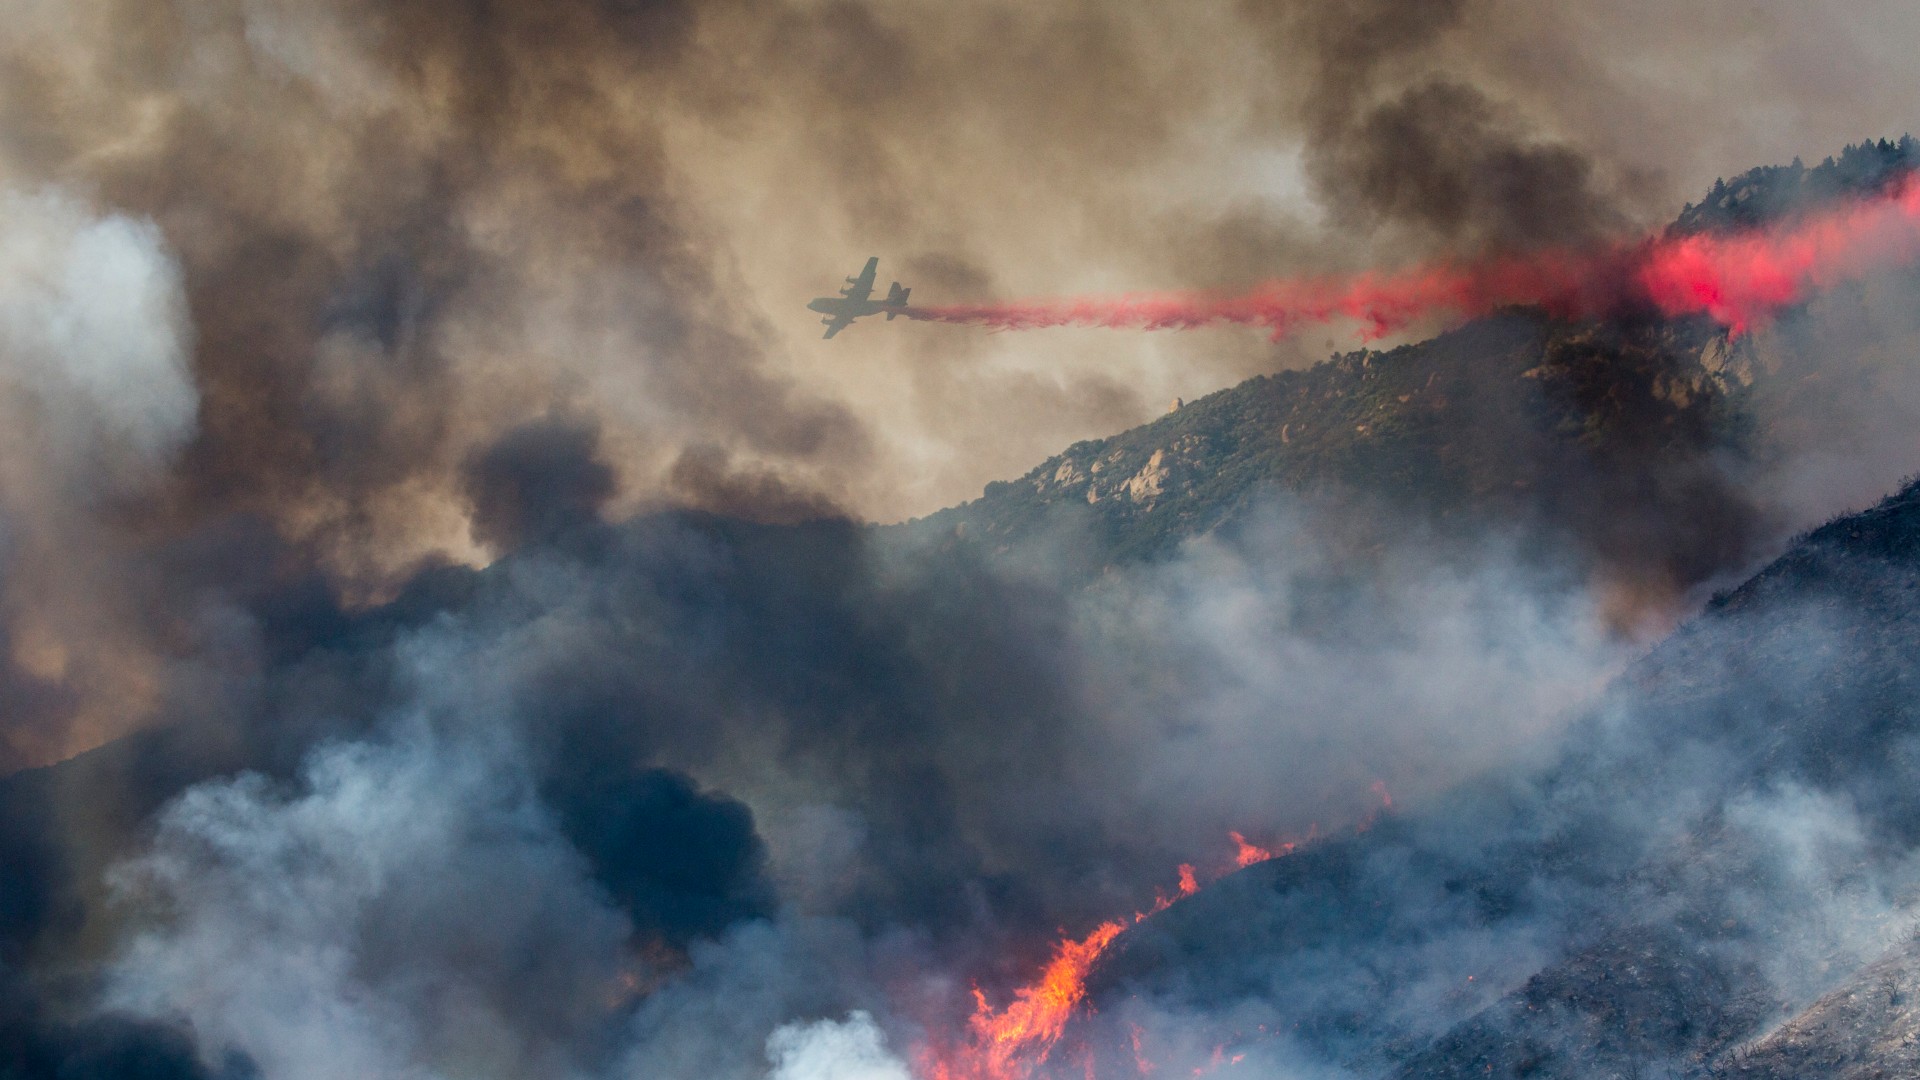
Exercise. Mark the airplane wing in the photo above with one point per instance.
(861, 287)
(836, 324)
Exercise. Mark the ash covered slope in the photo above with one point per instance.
(1727, 839)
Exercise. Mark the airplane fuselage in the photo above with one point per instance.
(852, 309)
(856, 300)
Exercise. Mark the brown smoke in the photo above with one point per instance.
(405, 228)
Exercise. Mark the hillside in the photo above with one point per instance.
(1619, 442)
(1600, 431)
(1867, 1029)
(1721, 852)
(1771, 192)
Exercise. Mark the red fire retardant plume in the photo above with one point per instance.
(1740, 280)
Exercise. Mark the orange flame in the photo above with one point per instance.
(1386, 797)
(1189, 884)
(1248, 853)
(1380, 792)
(1010, 1043)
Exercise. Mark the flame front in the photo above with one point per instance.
(1010, 1043)
(1014, 1042)
(1249, 852)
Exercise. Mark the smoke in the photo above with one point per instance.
(942, 761)
(407, 436)
(1721, 842)
(97, 402)
(396, 220)
(830, 1050)
(538, 482)
(939, 756)
(1276, 681)
(96, 338)
(413, 257)
(751, 92)
(408, 911)
(1393, 140)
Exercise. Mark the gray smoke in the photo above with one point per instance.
(936, 787)
(309, 311)
(409, 909)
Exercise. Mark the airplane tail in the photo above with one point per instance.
(897, 298)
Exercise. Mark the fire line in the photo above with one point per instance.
(1012, 1043)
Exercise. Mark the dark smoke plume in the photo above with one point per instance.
(538, 482)
(1391, 144)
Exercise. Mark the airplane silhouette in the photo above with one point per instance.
(856, 300)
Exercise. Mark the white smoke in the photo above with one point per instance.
(1848, 903)
(410, 911)
(93, 331)
(1274, 679)
(850, 1049)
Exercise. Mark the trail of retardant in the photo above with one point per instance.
(1741, 280)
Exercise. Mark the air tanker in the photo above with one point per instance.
(857, 300)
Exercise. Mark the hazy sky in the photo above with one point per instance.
(476, 213)
(1050, 148)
